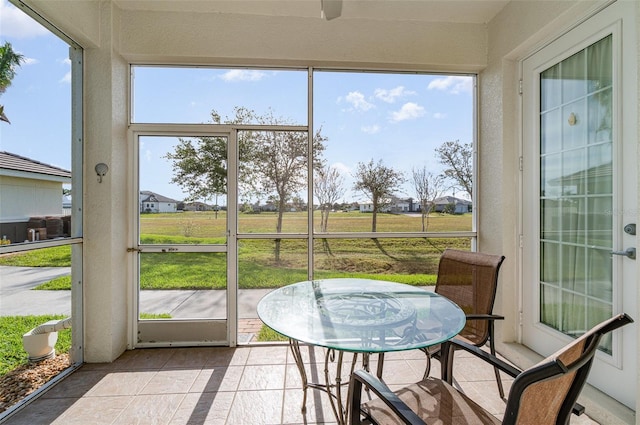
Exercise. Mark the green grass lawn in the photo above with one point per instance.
(57, 256)
(268, 334)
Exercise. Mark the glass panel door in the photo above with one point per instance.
(182, 240)
(580, 195)
(576, 191)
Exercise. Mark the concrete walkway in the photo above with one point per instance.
(17, 297)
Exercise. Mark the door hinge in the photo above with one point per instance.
(520, 87)
(521, 240)
(520, 318)
(520, 163)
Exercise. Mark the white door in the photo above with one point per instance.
(580, 193)
(184, 255)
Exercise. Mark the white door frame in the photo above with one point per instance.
(188, 332)
(608, 371)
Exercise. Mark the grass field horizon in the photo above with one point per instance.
(406, 260)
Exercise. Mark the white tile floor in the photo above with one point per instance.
(249, 385)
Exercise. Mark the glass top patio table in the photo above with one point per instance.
(361, 315)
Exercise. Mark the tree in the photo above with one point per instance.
(377, 182)
(272, 163)
(458, 158)
(428, 188)
(328, 188)
(278, 165)
(9, 61)
(200, 167)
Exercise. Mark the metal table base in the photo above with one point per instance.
(331, 386)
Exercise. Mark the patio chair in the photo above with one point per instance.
(543, 394)
(470, 280)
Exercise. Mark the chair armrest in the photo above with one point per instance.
(379, 388)
(456, 344)
(484, 317)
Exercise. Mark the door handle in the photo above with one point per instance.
(629, 253)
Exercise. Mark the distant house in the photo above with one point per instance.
(197, 206)
(404, 205)
(354, 206)
(367, 207)
(397, 205)
(266, 207)
(28, 188)
(452, 205)
(151, 202)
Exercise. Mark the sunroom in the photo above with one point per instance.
(552, 123)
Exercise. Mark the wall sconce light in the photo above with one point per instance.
(101, 170)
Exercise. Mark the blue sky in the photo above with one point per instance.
(397, 118)
(38, 101)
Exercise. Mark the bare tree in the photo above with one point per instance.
(279, 164)
(328, 188)
(458, 158)
(378, 182)
(428, 188)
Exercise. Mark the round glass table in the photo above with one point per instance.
(359, 316)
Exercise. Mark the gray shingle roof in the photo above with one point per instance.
(150, 196)
(11, 161)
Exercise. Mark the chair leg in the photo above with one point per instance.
(492, 348)
(499, 382)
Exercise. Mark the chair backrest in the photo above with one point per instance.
(546, 393)
(470, 279)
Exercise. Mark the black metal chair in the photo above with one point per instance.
(545, 393)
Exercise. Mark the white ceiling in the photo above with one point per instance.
(459, 11)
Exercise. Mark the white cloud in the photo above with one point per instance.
(390, 96)
(342, 168)
(370, 129)
(17, 24)
(28, 61)
(146, 151)
(409, 111)
(439, 116)
(358, 101)
(243, 75)
(452, 84)
(66, 78)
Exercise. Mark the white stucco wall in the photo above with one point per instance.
(106, 216)
(24, 198)
(250, 39)
(168, 207)
(77, 19)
